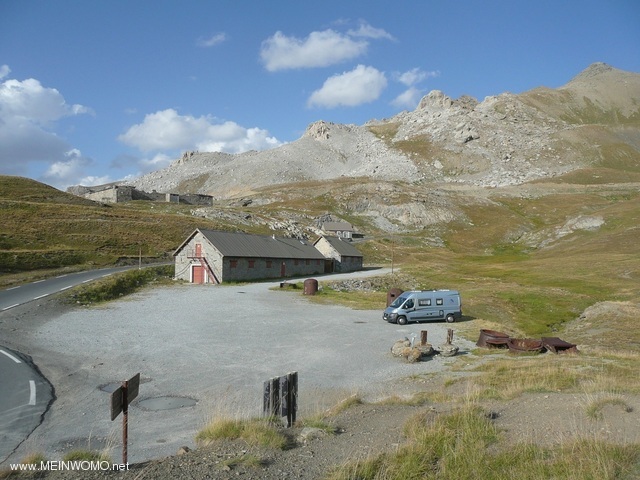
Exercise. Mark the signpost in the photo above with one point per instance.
(120, 400)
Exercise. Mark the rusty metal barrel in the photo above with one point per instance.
(491, 338)
(392, 294)
(310, 286)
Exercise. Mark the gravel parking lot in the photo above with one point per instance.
(207, 350)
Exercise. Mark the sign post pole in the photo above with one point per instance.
(125, 421)
(120, 400)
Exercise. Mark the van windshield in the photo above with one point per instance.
(399, 301)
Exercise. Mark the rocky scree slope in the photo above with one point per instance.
(504, 140)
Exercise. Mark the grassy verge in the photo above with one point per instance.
(117, 286)
(466, 444)
(260, 432)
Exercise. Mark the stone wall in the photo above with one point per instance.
(124, 193)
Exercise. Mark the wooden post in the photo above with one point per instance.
(125, 420)
(449, 335)
(274, 397)
(284, 398)
(280, 397)
(266, 398)
(293, 398)
(423, 337)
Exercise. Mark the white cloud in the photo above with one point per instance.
(360, 85)
(167, 130)
(212, 41)
(367, 31)
(4, 71)
(411, 96)
(72, 170)
(319, 49)
(158, 162)
(29, 101)
(408, 99)
(414, 76)
(28, 112)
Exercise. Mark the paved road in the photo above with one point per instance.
(24, 397)
(25, 394)
(15, 296)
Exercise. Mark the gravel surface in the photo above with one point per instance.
(211, 348)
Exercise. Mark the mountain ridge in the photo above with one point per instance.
(506, 139)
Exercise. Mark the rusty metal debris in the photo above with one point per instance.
(555, 345)
(494, 339)
(525, 345)
(491, 338)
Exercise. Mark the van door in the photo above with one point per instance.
(423, 307)
(429, 311)
(410, 309)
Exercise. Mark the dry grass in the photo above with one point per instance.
(597, 403)
(261, 432)
(466, 444)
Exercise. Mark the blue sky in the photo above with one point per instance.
(98, 91)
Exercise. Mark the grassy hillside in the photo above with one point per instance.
(44, 228)
(512, 252)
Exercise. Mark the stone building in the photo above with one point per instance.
(210, 256)
(345, 257)
(339, 229)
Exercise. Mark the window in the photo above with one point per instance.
(252, 263)
(439, 301)
(295, 262)
(269, 264)
(233, 263)
(307, 261)
(424, 302)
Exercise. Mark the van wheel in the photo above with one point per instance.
(450, 318)
(402, 320)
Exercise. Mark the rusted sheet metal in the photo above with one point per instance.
(491, 338)
(525, 345)
(556, 345)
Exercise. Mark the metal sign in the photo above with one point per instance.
(120, 400)
(117, 397)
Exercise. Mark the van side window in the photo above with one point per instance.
(409, 304)
(439, 301)
(424, 302)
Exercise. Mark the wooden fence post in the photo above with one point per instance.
(280, 397)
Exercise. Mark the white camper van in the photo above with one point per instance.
(423, 305)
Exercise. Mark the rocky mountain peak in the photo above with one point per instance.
(435, 100)
(593, 70)
(319, 130)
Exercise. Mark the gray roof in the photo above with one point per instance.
(236, 244)
(342, 247)
(335, 226)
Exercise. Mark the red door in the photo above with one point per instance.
(283, 269)
(198, 250)
(198, 274)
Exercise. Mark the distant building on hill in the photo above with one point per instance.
(125, 193)
(343, 230)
